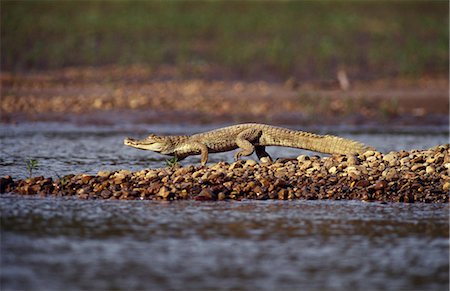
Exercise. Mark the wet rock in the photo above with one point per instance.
(305, 165)
(398, 176)
(362, 184)
(265, 161)
(164, 193)
(235, 165)
(6, 184)
(446, 186)
(221, 196)
(302, 158)
(249, 163)
(369, 153)
(282, 194)
(430, 169)
(205, 195)
(417, 167)
(332, 170)
(391, 158)
(380, 185)
(104, 174)
(105, 194)
(390, 174)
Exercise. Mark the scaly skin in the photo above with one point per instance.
(249, 138)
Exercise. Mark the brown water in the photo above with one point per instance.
(70, 244)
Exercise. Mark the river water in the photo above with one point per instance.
(62, 149)
(69, 244)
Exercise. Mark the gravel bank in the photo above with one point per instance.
(404, 176)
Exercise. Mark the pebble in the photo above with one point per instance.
(164, 193)
(250, 163)
(391, 158)
(430, 169)
(406, 176)
(416, 167)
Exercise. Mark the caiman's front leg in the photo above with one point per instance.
(244, 142)
(199, 147)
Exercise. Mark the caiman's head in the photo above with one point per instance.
(154, 143)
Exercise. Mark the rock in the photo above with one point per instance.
(368, 153)
(265, 161)
(446, 187)
(371, 159)
(391, 158)
(380, 185)
(408, 176)
(430, 160)
(282, 194)
(86, 179)
(416, 167)
(302, 158)
(249, 163)
(104, 174)
(305, 165)
(390, 174)
(362, 183)
(221, 196)
(164, 193)
(405, 161)
(151, 176)
(105, 194)
(205, 195)
(118, 178)
(235, 165)
(6, 184)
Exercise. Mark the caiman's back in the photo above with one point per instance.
(222, 139)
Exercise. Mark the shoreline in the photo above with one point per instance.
(96, 95)
(404, 176)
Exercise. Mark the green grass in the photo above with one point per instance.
(32, 165)
(300, 38)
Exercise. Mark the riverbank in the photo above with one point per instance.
(163, 94)
(404, 176)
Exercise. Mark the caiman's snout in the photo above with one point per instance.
(129, 141)
(144, 144)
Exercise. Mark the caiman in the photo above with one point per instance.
(249, 138)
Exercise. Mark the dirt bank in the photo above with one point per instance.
(141, 95)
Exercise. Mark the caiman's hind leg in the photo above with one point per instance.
(244, 142)
(261, 152)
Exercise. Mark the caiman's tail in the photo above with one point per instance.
(328, 144)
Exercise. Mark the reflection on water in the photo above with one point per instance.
(64, 149)
(56, 244)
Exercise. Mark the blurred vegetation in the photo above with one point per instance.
(304, 39)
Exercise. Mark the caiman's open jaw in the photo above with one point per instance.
(143, 144)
